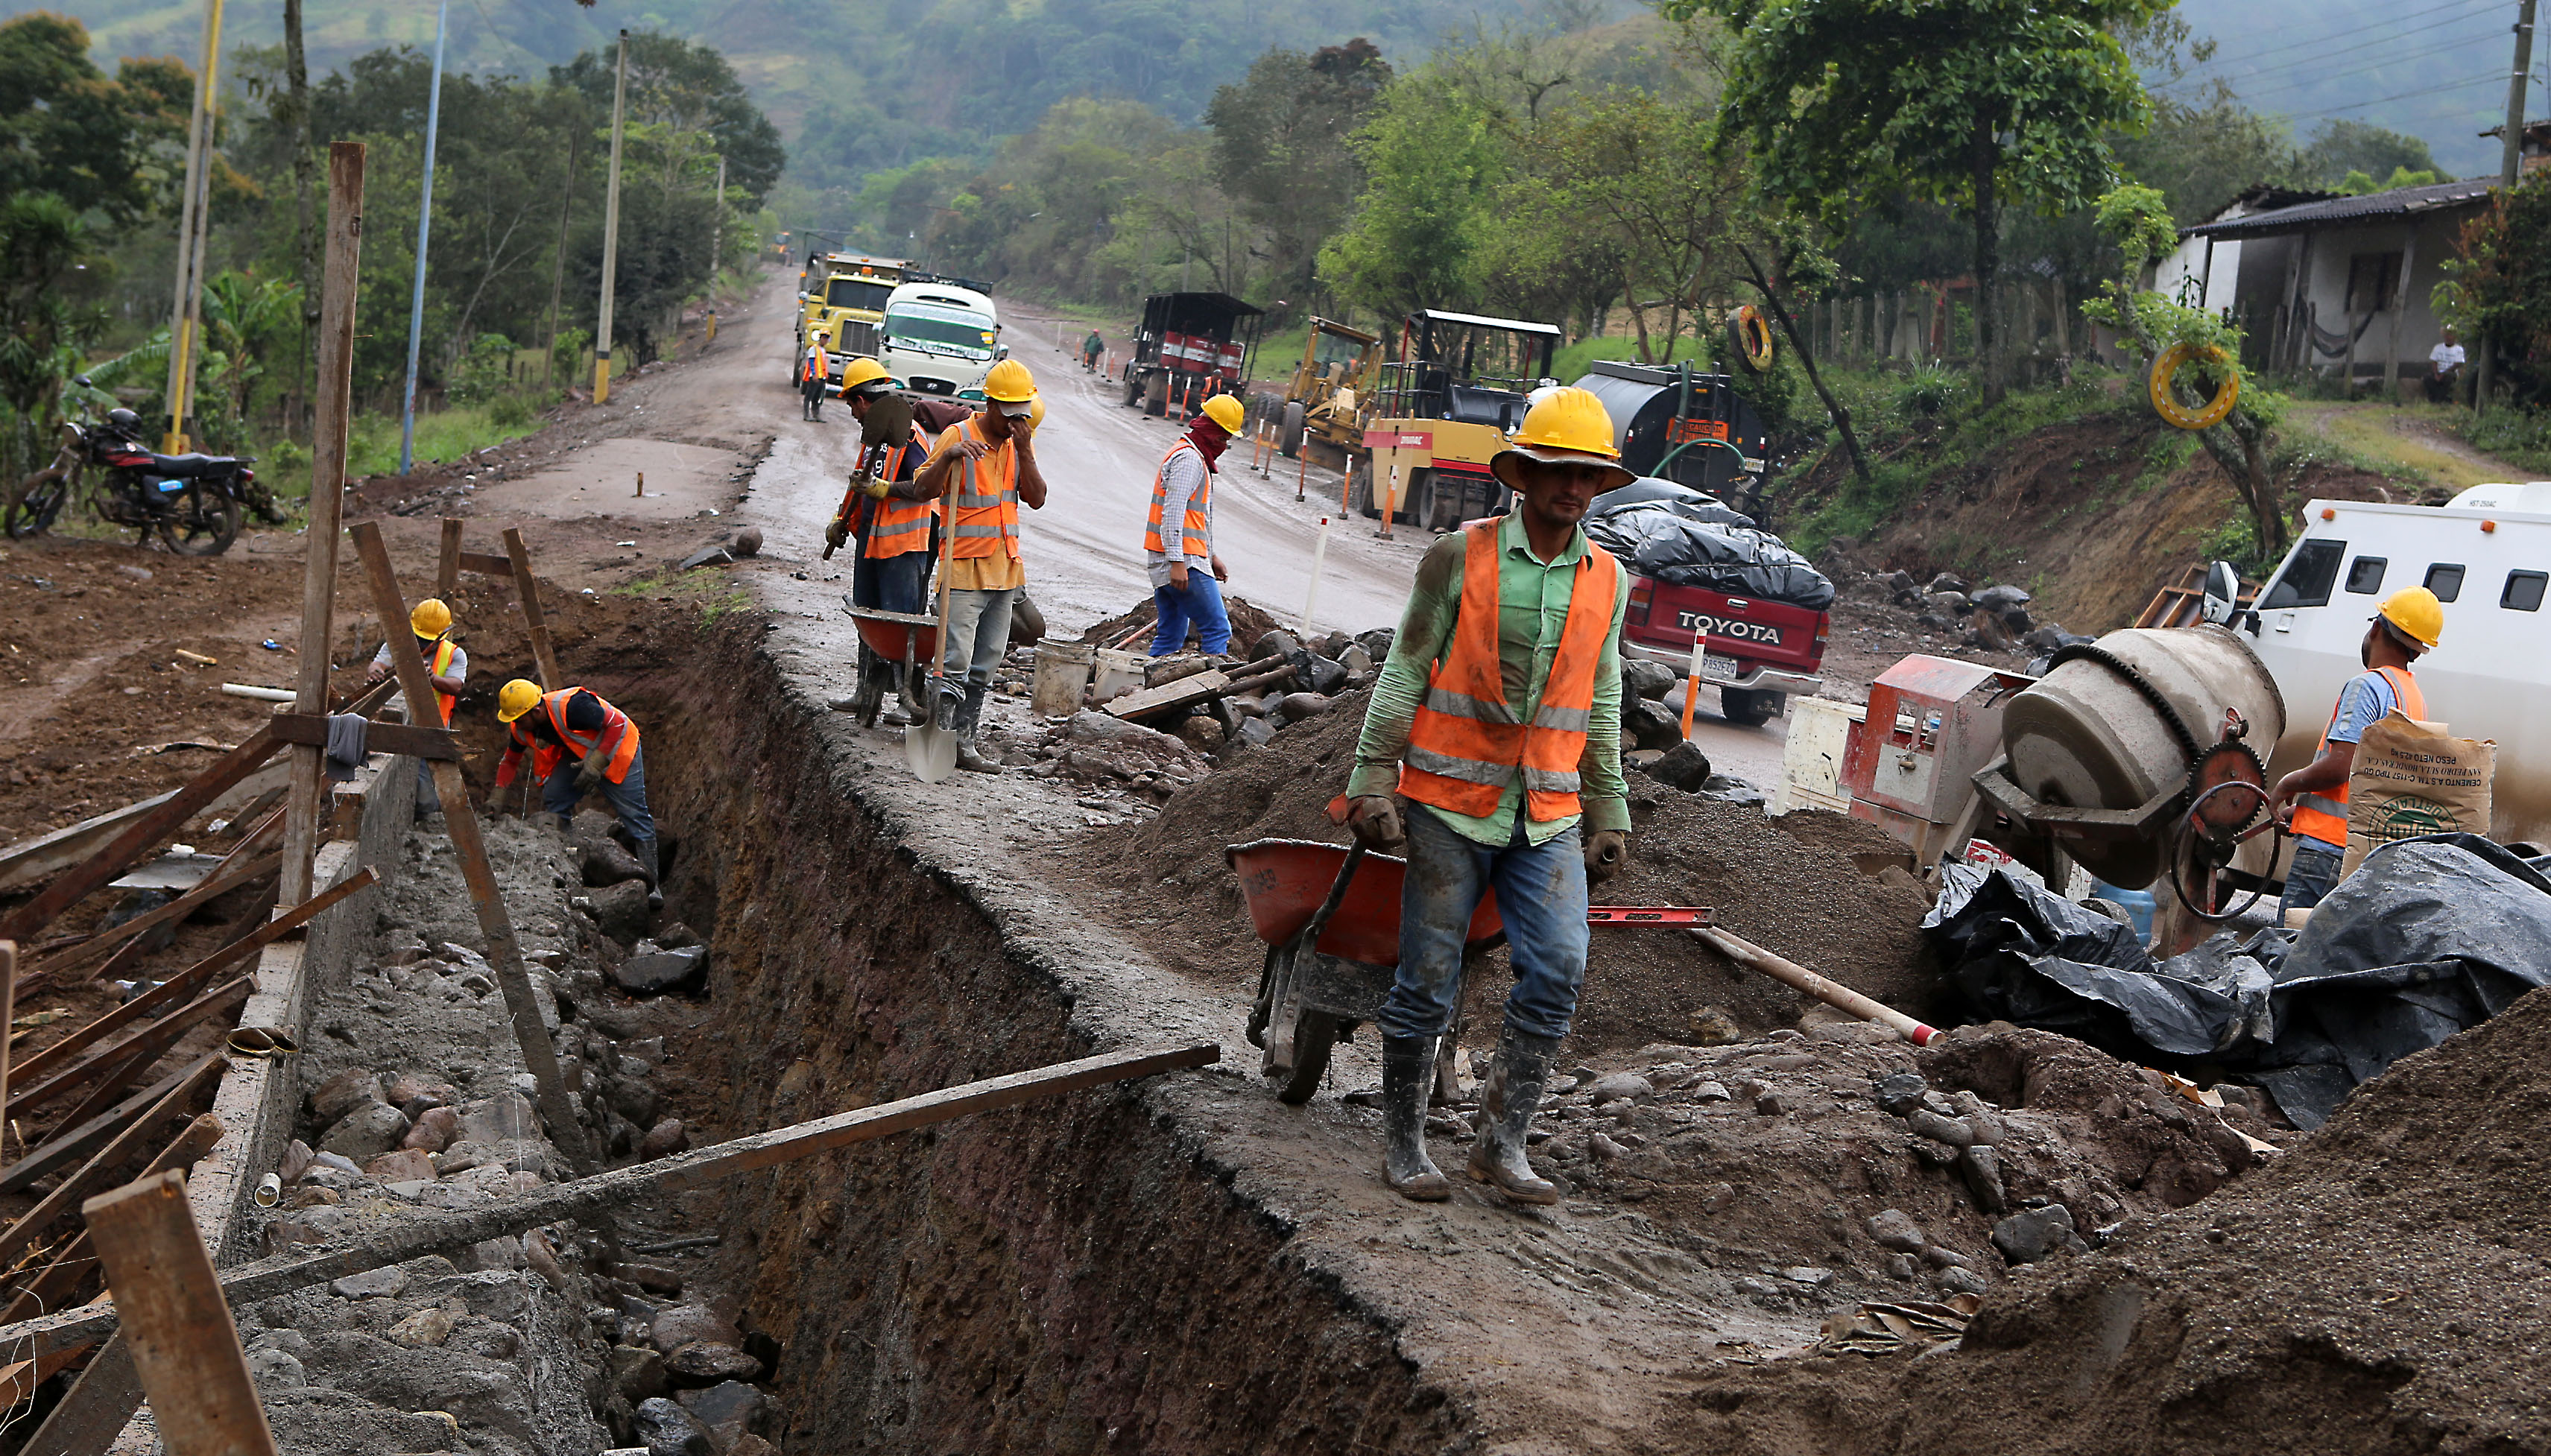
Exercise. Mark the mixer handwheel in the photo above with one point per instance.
(2227, 788)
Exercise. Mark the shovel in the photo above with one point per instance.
(929, 749)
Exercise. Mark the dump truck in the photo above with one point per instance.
(1444, 407)
(847, 306)
(1188, 347)
(1329, 391)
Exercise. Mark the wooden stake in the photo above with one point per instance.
(74, 1143)
(460, 822)
(427, 1232)
(99, 1172)
(446, 566)
(185, 1347)
(8, 1010)
(528, 593)
(304, 799)
(118, 1065)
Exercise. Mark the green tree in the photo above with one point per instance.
(2201, 155)
(1974, 103)
(45, 317)
(1432, 166)
(67, 128)
(2498, 288)
(1280, 153)
(2340, 147)
(687, 87)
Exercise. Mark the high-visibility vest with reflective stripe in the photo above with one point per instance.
(545, 755)
(1467, 744)
(815, 367)
(985, 521)
(1195, 532)
(443, 651)
(2323, 816)
(901, 526)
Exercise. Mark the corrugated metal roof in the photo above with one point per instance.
(2400, 202)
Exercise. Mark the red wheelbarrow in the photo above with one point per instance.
(908, 638)
(1330, 916)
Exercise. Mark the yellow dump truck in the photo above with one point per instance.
(847, 306)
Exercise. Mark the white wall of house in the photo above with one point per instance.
(2188, 275)
(2405, 337)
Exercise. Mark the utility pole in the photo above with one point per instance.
(2511, 157)
(717, 224)
(610, 231)
(424, 231)
(190, 223)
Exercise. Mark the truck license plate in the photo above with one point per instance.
(1717, 669)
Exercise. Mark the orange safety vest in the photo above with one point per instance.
(545, 755)
(441, 663)
(815, 365)
(2323, 816)
(1195, 531)
(901, 526)
(1467, 744)
(987, 522)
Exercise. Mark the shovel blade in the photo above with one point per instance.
(930, 749)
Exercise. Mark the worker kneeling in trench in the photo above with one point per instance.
(1498, 715)
(581, 744)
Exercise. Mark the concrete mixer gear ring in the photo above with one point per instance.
(2227, 765)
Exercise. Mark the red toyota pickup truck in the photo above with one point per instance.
(1758, 652)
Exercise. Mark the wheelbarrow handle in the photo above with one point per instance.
(1319, 920)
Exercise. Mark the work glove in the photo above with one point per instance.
(1607, 851)
(837, 534)
(876, 489)
(589, 776)
(1374, 820)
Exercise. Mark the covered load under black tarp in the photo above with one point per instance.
(2429, 937)
(1680, 535)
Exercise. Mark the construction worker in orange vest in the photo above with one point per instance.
(1497, 716)
(895, 526)
(2312, 799)
(986, 466)
(579, 745)
(814, 373)
(445, 663)
(1186, 572)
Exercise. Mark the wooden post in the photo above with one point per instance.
(496, 924)
(168, 1301)
(304, 797)
(446, 566)
(8, 1005)
(2399, 312)
(528, 592)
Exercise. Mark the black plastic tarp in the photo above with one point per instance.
(2429, 937)
(1670, 539)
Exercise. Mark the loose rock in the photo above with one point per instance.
(2035, 1233)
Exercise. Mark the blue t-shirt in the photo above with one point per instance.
(2365, 701)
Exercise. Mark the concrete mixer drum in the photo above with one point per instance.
(2097, 755)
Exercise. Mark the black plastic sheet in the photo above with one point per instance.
(2431, 936)
(1664, 538)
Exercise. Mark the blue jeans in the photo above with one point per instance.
(628, 798)
(894, 583)
(1201, 605)
(1541, 897)
(2313, 876)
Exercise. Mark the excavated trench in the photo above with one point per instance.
(1072, 1275)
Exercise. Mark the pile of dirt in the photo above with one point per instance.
(1790, 884)
(2379, 1288)
(1249, 622)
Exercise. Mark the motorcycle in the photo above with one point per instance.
(191, 502)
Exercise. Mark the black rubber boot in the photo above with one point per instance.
(1507, 1100)
(1407, 1067)
(969, 720)
(646, 851)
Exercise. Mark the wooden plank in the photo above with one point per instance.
(140, 837)
(51, 1287)
(8, 1012)
(460, 822)
(74, 1144)
(176, 988)
(485, 564)
(447, 563)
(430, 1231)
(31, 860)
(168, 1302)
(235, 872)
(1185, 693)
(99, 1404)
(98, 1173)
(380, 738)
(527, 592)
(149, 1043)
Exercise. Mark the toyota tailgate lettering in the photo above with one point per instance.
(1735, 627)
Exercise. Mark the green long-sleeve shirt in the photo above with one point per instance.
(1532, 611)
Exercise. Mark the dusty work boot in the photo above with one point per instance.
(1407, 1066)
(646, 851)
(969, 720)
(949, 708)
(1507, 1100)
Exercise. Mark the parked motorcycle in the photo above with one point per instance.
(192, 502)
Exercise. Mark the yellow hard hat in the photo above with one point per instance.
(428, 618)
(2416, 613)
(1009, 383)
(1225, 410)
(1564, 426)
(515, 698)
(862, 371)
(1036, 413)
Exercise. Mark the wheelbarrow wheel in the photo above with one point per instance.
(1314, 1033)
(869, 695)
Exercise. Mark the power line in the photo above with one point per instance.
(2489, 81)
(2367, 67)
(2427, 23)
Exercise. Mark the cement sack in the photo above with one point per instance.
(2412, 778)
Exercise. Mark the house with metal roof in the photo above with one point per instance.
(2335, 284)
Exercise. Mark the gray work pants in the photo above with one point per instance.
(978, 636)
